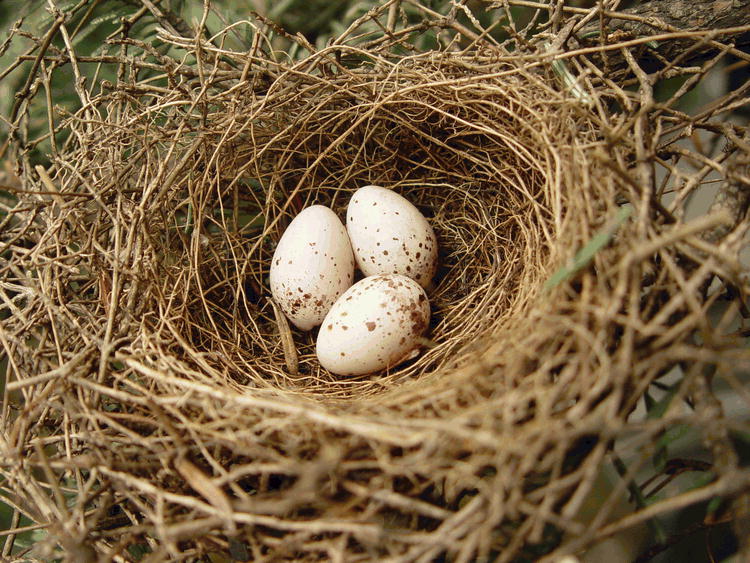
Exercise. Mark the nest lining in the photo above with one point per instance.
(475, 157)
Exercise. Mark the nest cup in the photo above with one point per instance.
(172, 409)
(480, 159)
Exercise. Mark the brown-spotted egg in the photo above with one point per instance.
(390, 236)
(312, 266)
(375, 324)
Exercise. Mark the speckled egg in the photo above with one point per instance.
(390, 236)
(312, 266)
(375, 324)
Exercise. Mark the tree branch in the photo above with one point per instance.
(729, 18)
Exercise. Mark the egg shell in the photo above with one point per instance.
(375, 324)
(312, 266)
(390, 236)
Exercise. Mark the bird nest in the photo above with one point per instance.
(155, 403)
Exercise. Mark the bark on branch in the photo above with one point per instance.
(689, 14)
(729, 18)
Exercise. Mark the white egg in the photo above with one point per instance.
(312, 266)
(375, 324)
(390, 236)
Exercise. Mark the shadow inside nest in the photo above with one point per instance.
(487, 187)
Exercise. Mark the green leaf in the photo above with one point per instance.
(713, 505)
(649, 400)
(656, 525)
(659, 460)
(703, 479)
(673, 434)
(658, 408)
(570, 82)
(107, 20)
(139, 550)
(661, 452)
(584, 256)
